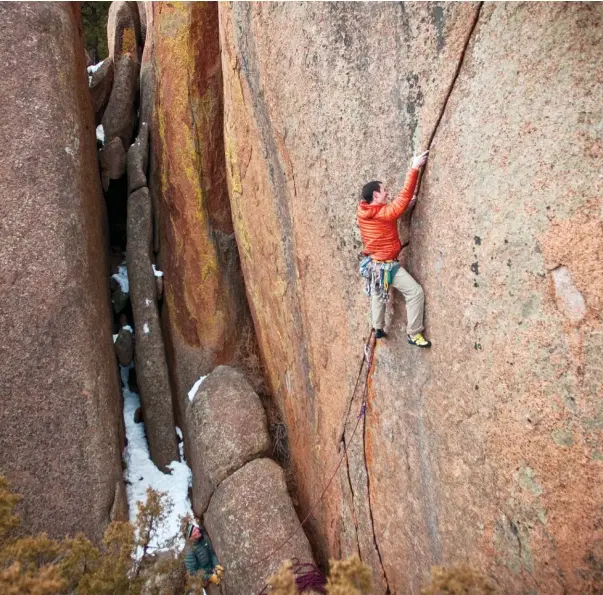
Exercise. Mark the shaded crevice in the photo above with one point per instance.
(370, 506)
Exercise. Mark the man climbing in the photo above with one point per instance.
(200, 556)
(377, 219)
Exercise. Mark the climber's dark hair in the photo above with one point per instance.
(368, 189)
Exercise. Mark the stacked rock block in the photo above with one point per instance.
(240, 492)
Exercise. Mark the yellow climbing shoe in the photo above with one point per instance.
(419, 340)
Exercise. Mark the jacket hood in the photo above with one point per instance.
(366, 210)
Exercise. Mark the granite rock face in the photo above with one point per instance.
(205, 314)
(112, 160)
(119, 118)
(256, 499)
(59, 390)
(138, 157)
(227, 428)
(489, 444)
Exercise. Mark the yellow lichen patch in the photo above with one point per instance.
(232, 169)
(128, 41)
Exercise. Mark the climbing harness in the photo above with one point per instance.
(378, 275)
(367, 356)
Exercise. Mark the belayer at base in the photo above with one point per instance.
(377, 219)
(200, 556)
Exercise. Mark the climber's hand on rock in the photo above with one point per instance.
(420, 160)
(219, 570)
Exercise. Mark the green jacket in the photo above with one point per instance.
(201, 557)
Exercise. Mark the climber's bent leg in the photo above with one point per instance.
(415, 300)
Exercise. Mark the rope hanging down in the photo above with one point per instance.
(367, 356)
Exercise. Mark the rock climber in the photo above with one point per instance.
(200, 555)
(377, 219)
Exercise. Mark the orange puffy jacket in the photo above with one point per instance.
(378, 223)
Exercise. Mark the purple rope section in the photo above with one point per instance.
(308, 578)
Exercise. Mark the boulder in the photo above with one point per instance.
(251, 515)
(59, 388)
(124, 347)
(151, 366)
(138, 156)
(205, 313)
(112, 161)
(119, 118)
(123, 30)
(226, 428)
(487, 444)
(101, 83)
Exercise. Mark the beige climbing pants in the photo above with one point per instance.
(415, 302)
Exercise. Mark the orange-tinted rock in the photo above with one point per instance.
(204, 313)
(124, 31)
(487, 448)
(59, 390)
(251, 516)
(227, 429)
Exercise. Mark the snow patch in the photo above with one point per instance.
(141, 473)
(157, 273)
(128, 328)
(192, 393)
(145, 329)
(100, 133)
(115, 338)
(95, 67)
(122, 278)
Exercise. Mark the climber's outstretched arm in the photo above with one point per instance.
(398, 206)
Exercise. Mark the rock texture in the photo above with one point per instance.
(227, 428)
(112, 159)
(59, 392)
(138, 157)
(151, 367)
(124, 33)
(119, 118)
(124, 347)
(205, 314)
(489, 446)
(101, 83)
(256, 499)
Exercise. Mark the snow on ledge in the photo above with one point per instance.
(156, 272)
(192, 393)
(142, 473)
(122, 278)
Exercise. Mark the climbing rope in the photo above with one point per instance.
(308, 577)
(367, 356)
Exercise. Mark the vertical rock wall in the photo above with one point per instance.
(59, 391)
(488, 448)
(205, 313)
